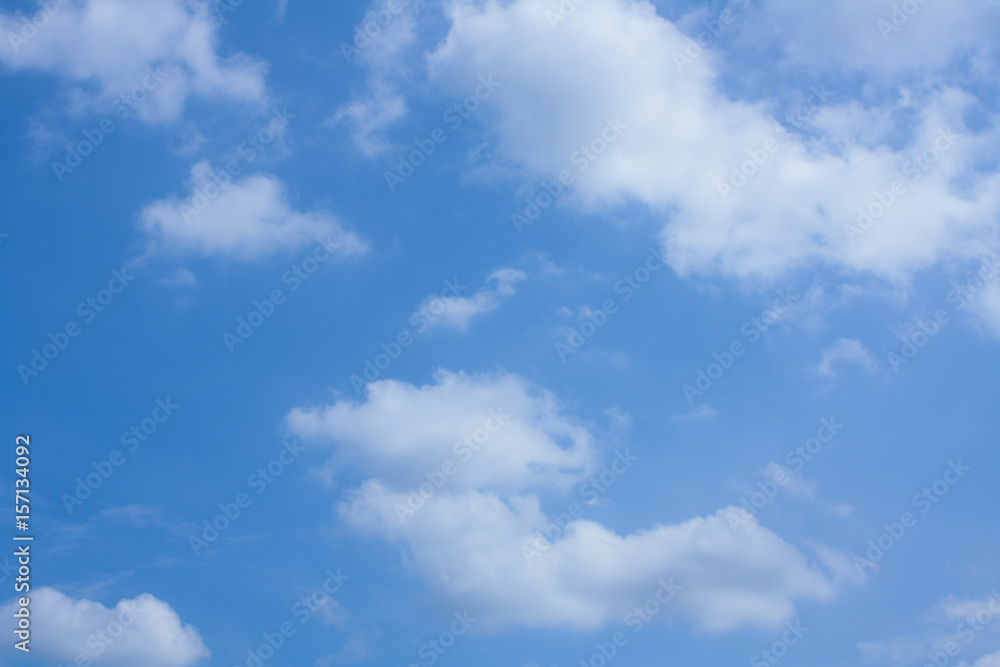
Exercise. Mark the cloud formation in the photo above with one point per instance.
(243, 219)
(455, 471)
(739, 194)
(140, 631)
(106, 48)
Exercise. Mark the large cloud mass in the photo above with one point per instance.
(455, 469)
(800, 191)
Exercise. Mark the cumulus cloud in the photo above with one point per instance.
(460, 495)
(104, 47)
(472, 546)
(848, 350)
(739, 194)
(400, 431)
(243, 219)
(140, 631)
(457, 312)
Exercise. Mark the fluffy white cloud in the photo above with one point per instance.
(140, 631)
(848, 350)
(244, 219)
(106, 46)
(457, 312)
(677, 143)
(476, 547)
(401, 431)
(460, 495)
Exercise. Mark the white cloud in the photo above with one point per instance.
(457, 312)
(615, 59)
(700, 412)
(383, 44)
(469, 545)
(104, 47)
(467, 536)
(244, 219)
(141, 631)
(367, 117)
(848, 350)
(796, 484)
(280, 9)
(401, 431)
(985, 307)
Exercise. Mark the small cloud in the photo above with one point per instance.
(280, 9)
(846, 349)
(621, 418)
(134, 516)
(795, 485)
(700, 412)
(367, 119)
(839, 563)
(456, 312)
(181, 277)
(842, 509)
(245, 220)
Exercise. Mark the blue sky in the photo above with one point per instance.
(519, 332)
